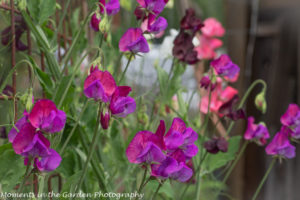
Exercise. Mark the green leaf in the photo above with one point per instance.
(162, 76)
(70, 184)
(215, 161)
(12, 168)
(65, 92)
(41, 10)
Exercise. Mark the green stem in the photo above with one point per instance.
(74, 127)
(264, 179)
(41, 187)
(157, 189)
(143, 181)
(245, 97)
(91, 151)
(27, 173)
(127, 65)
(235, 161)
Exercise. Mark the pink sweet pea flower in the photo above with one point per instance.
(291, 119)
(280, 145)
(219, 96)
(133, 41)
(206, 48)
(256, 132)
(45, 116)
(99, 85)
(212, 28)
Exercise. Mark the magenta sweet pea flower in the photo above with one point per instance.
(156, 25)
(121, 104)
(291, 119)
(112, 7)
(45, 116)
(170, 168)
(154, 6)
(133, 41)
(99, 85)
(95, 21)
(256, 132)
(104, 120)
(13, 132)
(280, 145)
(225, 67)
(50, 162)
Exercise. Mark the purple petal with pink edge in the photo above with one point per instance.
(224, 66)
(50, 162)
(291, 115)
(177, 125)
(94, 23)
(138, 144)
(190, 136)
(123, 106)
(121, 91)
(183, 174)
(39, 147)
(58, 122)
(23, 138)
(13, 132)
(190, 151)
(96, 91)
(163, 170)
(151, 153)
(160, 24)
(112, 7)
(134, 41)
(280, 145)
(174, 140)
(42, 113)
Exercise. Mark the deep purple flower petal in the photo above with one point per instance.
(174, 140)
(291, 115)
(151, 153)
(39, 147)
(163, 170)
(23, 138)
(112, 7)
(58, 123)
(134, 41)
(160, 24)
(225, 67)
(182, 175)
(13, 132)
(222, 144)
(123, 106)
(190, 136)
(94, 23)
(190, 151)
(50, 162)
(258, 133)
(155, 6)
(96, 91)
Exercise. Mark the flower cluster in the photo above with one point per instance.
(184, 49)
(280, 145)
(111, 7)
(27, 137)
(207, 41)
(167, 154)
(101, 86)
(148, 11)
(256, 132)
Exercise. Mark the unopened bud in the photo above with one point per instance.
(104, 120)
(260, 102)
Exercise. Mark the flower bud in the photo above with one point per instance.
(104, 24)
(104, 120)
(260, 102)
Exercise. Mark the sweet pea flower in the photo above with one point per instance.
(190, 21)
(99, 85)
(95, 21)
(146, 147)
(228, 110)
(170, 168)
(219, 97)
(207, 46)
(280, 145)
(46, 117)
(154, 25)
(13, 132)
(112, 7)
(215, 145)
(121, 104)
(133, 41)
(225, 67)
(212, 28)
(153, 6)
(291, 119)
(50, 162)
(206, 83)
(256, 132)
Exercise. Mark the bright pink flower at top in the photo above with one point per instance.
(133, 41)
(291, 119)
(45, 116)
(112, 7)
(212, 28)
(280, 145)
(256, 132)
(155, 6)
(206, 48)
(99, 85)
(219, 96)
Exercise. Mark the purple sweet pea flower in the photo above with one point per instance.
(95, 21)
(121, 105)
(256, 132)
(156, 25)
(133, 41)
(280, 145)
(228, 110)
(206, 83)
(99, 85)
(13, 132)
(154, 6)
(225, 67)
(291, 118)
(170, 168)
(215, 145)
(45, 116)
(50, 162)
(112, 7)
